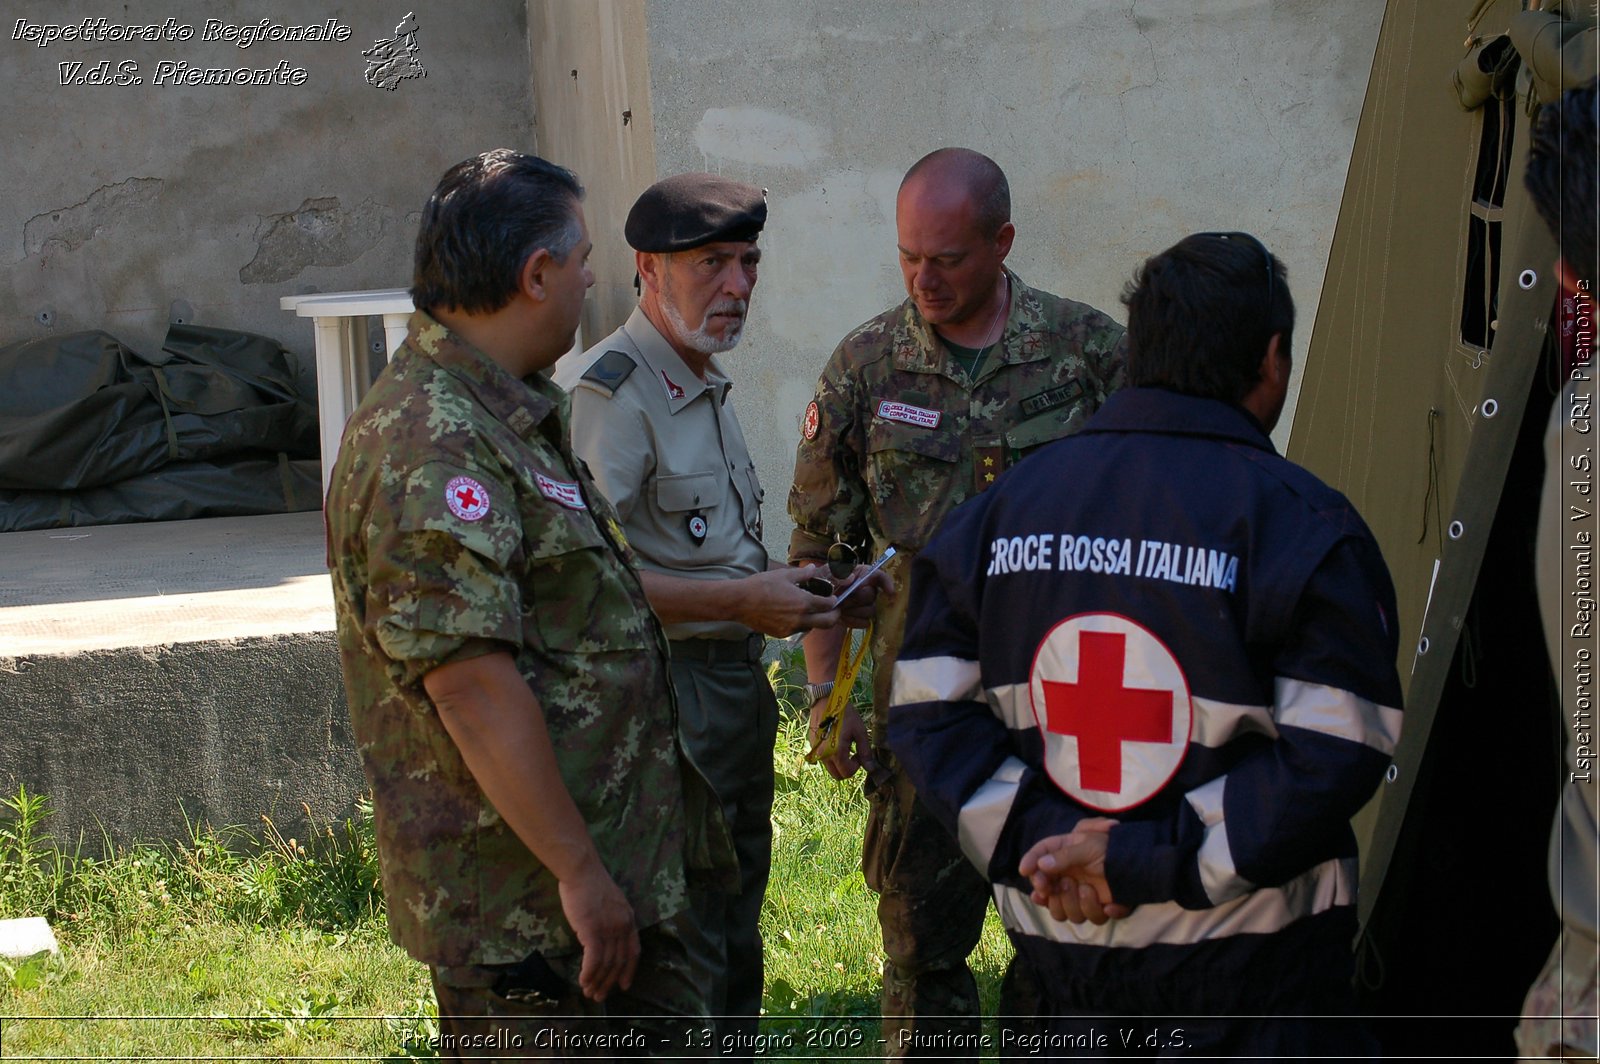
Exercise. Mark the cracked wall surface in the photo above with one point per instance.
(1122, 128)
(118, 201)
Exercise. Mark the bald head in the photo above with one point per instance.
(963, 174)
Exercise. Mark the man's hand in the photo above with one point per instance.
(603, 920)
(858, 610)
(775, 604)
(1068, 873)
(854, 751)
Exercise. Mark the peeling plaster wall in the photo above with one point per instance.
(116, 201)
(1121, 127)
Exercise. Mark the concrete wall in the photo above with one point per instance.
(1121, 127)
(116, 201)
(141, 742)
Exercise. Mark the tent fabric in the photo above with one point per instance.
(93, 432)
(1413, 420)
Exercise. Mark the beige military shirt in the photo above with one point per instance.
(666, 448)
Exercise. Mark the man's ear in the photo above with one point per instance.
(648, 265)
(1004, 239)
(531, 278)
(1275, 370)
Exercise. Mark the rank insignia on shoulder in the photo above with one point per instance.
(609, 371)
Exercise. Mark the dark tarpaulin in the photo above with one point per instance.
(83, 410)
(175, 492)
(93, 432)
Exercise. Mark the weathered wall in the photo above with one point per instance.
(591, 87)
(118, 200)
(140, 743)
(1122, 128)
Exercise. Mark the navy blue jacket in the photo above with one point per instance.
(1163, 621)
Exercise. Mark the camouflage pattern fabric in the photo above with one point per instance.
(865, 473)
(897, 436)
(518, 1012)
(459, 523)
(931, 902)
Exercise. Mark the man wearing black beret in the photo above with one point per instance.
(651, 416)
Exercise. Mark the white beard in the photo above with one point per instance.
(697, 339)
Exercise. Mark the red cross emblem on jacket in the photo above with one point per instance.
(1113, 708)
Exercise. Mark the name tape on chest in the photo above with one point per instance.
(906, 414)
(467, 499)
(1113, 707)
(559, 491)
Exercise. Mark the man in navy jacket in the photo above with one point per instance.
(1148, 678)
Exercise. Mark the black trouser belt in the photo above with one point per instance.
(715, 651)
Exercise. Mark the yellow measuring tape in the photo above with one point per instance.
(844, 681)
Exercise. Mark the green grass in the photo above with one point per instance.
(251, 944)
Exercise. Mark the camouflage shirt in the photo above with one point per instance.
(899, 435)
(459, 524)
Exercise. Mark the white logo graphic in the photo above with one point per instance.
(908, 414)
(561, 492)
(394, 60)
(1113, 707)
(467, 499)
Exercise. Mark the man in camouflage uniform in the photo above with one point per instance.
(919, 409)
(507, 681)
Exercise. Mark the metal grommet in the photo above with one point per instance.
(1490, 408)
(1422, 645)
(1527, 279)
(1456, 529)
(1393, 773)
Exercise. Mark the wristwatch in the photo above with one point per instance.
(816, 692)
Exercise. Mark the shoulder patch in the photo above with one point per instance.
(609, 371)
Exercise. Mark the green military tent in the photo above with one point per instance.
(1432, 367)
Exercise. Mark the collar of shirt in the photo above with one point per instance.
(921, 351)
(1159, 410)
(672, 374)
(522, 405)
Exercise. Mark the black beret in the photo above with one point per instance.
(689, 210)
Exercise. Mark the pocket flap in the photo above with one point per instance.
(930, 443)
(1045, 428)
(690, 491)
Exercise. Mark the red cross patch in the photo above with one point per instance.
(467, 499)
(1113, 707)
(808, 427)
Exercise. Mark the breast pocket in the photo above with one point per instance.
(578, 596)
(1046, 428)
(914, 475)
(678, 498)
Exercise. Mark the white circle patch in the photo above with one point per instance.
(467, 499)
(813, 419)
(1113, 708)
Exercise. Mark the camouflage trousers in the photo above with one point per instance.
(931, 907)
(1558, 1017)
(533, 1010)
